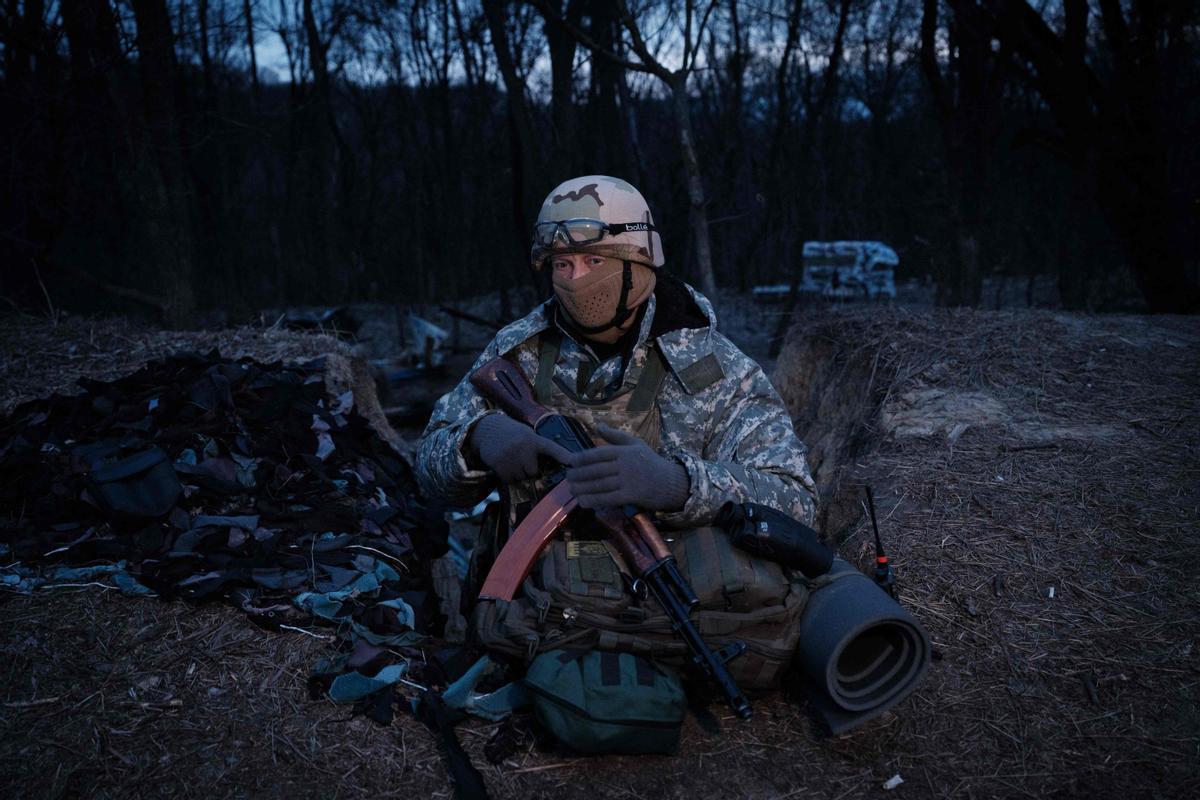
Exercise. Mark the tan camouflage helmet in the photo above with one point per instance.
(627, 233)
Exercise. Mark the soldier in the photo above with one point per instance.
(684, 421)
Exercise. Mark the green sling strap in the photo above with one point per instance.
(548, 347)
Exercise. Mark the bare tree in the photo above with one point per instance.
(248, 17)
(796, 174)
(1113, 115)
(525, 149)
(562, 89)
(407, 139)
(969, 109)
(164, 183)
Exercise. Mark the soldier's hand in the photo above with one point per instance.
(627, 472)
(511, 449)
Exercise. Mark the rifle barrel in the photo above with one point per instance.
(712, 664)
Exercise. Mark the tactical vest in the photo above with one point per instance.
(578, 596)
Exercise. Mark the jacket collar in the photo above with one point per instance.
(689, 351)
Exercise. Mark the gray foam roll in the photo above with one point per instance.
(860, 652)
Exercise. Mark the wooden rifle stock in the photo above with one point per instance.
(501, 382)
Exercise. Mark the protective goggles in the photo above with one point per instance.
(569, 232)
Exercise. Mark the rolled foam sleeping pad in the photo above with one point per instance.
(860, 652)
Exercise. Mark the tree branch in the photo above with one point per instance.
(700, 35)
(689, 6)
(650, 63)
(581, 36)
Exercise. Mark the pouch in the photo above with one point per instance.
(603, 702)
(143, 485)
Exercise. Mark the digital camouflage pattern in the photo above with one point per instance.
(719, 416)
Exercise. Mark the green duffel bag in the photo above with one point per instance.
(603, 702)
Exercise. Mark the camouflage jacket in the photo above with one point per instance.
(720, 416)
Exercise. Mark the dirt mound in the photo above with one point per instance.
(1036, 475)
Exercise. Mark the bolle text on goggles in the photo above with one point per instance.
(569, 232)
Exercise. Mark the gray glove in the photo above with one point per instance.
(511, 449)
(627, 471)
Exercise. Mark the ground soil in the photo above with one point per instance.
(1037, 481)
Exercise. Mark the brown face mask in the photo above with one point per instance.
(593, 301)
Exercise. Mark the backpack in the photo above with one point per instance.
(578, 597)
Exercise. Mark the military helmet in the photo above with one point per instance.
(596, 214)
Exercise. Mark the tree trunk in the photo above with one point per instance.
(607, 132)
(1116, 130)
(206, 66)
(248, 13)
(164, 185)
(1140, 210)
(697, 210)
(966, 118)
(1134, 183)
(332, 165)
(35, 181)
(520, 132)
(562, 109)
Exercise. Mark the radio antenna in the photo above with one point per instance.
(884, 578)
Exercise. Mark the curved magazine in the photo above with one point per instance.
(523, 548)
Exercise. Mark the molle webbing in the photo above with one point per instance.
(730, 577)
(712, 550)
(654, 372)
(591, 571)
(610, 669)
(629, 643)
(548, 348)
(583, 373)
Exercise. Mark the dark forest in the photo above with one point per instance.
(397, 151)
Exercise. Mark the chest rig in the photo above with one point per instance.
(628, 408)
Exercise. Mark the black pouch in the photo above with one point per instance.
(771, 534)
(143, 485)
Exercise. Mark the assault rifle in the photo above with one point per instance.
(633, 533)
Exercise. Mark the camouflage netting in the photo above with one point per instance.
(205, 478)
(40, 357)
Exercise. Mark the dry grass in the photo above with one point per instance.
(38, 358)
(1019, 455)
(1079, 472)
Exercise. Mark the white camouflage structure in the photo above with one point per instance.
(850, 269)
